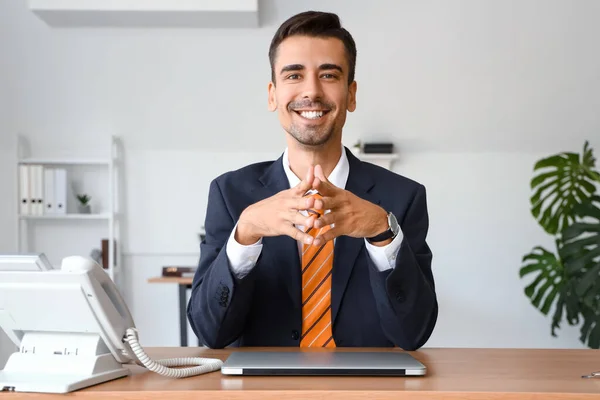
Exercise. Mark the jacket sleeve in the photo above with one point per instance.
(220, 301)
(405, 295)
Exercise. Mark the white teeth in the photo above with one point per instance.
(312, 114)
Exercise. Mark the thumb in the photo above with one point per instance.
(307, 182)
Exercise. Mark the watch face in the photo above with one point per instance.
(395, 228)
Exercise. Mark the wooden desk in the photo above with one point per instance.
(184, 284)
(452, 374)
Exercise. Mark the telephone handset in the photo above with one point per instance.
(103, 283)
(69, 319)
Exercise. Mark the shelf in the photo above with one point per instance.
(36, 179)
(376, 156)
(81, 161)
(105, 216)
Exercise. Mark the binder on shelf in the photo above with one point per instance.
(24, 190)
(49, 201)
(60, 190)
(36, 187)
(105, 253)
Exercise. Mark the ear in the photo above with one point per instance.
(352, 97)
(272, 98)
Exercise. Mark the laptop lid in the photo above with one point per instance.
(390, 363)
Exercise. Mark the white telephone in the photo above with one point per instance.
(72, 328)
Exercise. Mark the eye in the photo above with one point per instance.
(329, 76)
(293, 76)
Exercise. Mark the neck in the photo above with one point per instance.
(302, 157)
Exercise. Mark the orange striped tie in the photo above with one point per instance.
(317, 266)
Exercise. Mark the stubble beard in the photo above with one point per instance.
(311, 136)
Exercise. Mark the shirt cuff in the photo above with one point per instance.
(384, 257)
(242, 258)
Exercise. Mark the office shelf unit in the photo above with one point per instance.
(111, 164)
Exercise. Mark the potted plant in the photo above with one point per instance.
(84, 204)
(566, 206)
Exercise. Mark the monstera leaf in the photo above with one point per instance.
(581, 240)
(590, 330)
(581, 254)
(550, 286)
(566, 205)
(563, 181)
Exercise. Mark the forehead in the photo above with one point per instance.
(311, 52)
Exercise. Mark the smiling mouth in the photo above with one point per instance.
(312, 114)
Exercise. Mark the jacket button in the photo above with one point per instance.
(295, 335)
(399, 296)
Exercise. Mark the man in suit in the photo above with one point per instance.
(315, 249)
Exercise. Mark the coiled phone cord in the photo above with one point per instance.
(162, 367)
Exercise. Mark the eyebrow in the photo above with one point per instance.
(299, 67)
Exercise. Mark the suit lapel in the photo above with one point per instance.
(284, 247)
(348, 248)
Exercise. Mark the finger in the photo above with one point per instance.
(324, 187)
(307, 182)
(326, 203)
(300, 203)
(297, 234)
(295, 218)
(319, 172)
(327, 219)
(327, 236)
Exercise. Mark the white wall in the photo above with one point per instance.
(472, 93)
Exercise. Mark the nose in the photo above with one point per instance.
(312, 88)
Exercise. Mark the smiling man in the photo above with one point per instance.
(316, 248)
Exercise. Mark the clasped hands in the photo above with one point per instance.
(279, 214)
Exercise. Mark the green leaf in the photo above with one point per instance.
(565, 204)
(558, 314)
(590, 329)
(541, 178)
(562, 182)
(580, 250)
(549, 300)
(589, 281)
(551, 161)
(572, 303)
(547, 284)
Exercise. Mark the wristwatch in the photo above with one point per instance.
(392, 231)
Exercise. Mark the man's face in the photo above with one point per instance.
(311, 91)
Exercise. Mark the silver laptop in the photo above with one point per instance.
(391, 363)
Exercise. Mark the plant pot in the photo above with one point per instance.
(84, 209)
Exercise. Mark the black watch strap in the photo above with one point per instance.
(391, 232)
(382, 236)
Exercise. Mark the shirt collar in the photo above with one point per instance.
(338, 177)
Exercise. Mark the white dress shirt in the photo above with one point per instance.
(242, 258)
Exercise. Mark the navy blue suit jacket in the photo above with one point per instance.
(397, 307)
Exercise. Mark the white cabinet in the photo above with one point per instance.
(59, 178)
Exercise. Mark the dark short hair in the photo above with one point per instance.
(315, 24)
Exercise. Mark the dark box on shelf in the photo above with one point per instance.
(378, 148)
